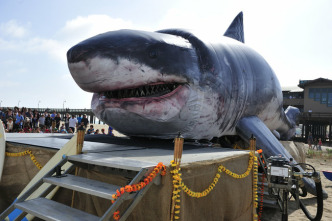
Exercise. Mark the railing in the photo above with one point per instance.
(60, 110)
(316, 115)
(293, 101)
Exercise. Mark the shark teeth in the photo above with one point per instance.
(143, 91)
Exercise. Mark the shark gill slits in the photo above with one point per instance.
(143, 91)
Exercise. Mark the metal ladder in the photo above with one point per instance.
(50, 210)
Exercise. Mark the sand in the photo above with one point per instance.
(105, 126)
(320, 164)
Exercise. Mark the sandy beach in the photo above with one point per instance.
(320, 163)
(105, 126)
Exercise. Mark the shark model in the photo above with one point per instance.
(156, 84)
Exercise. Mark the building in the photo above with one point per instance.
(293, 96)
(317, 95)
(314, 99)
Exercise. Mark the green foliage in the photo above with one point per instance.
(319, 154)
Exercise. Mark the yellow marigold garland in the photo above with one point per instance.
(177, 181)
(176, 189)
(20, 154)
(255, 186)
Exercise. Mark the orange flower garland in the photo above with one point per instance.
(160, 168)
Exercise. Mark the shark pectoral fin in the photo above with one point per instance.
(276, 134)
(266, 141)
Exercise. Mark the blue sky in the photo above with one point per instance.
(293, 36)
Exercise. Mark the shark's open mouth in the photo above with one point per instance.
(146, 91)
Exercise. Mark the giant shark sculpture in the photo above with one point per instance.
(156, 84)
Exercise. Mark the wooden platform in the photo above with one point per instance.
(230, 200)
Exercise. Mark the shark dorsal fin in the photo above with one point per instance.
(235, 30)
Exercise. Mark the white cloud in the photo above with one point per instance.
(34, 46)
(12, 68)
(8, 45)
(73, 31)
(13, 29)
(9, 84)
(77, 30)
(81, 28)
(51, 47)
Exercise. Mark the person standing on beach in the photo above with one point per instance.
(319, 144)
(9, 114)
(10, 125)
(310, 140)
(85, 120)
(53, 115)
(53, 123)
(66, 120)
(315, 144)
(19, 121)
(2, 115)
(28, 114)
(41, 121)
(48, 121)
(79, 119)
(73, 123)
(57, 119)
(35, 120)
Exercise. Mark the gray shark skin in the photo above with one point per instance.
(156, 84)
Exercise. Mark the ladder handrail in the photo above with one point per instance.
(34, 187)
(138, 198)
(108, 214)
(135, 196)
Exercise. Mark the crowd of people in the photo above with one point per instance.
(25, 120)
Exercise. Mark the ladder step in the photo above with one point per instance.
(51, 210)
(270, 203)
(265, 193)
(108, 161)
(84, 185)
(260, 183)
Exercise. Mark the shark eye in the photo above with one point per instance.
(153, 53)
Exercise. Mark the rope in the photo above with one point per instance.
(21, 154)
